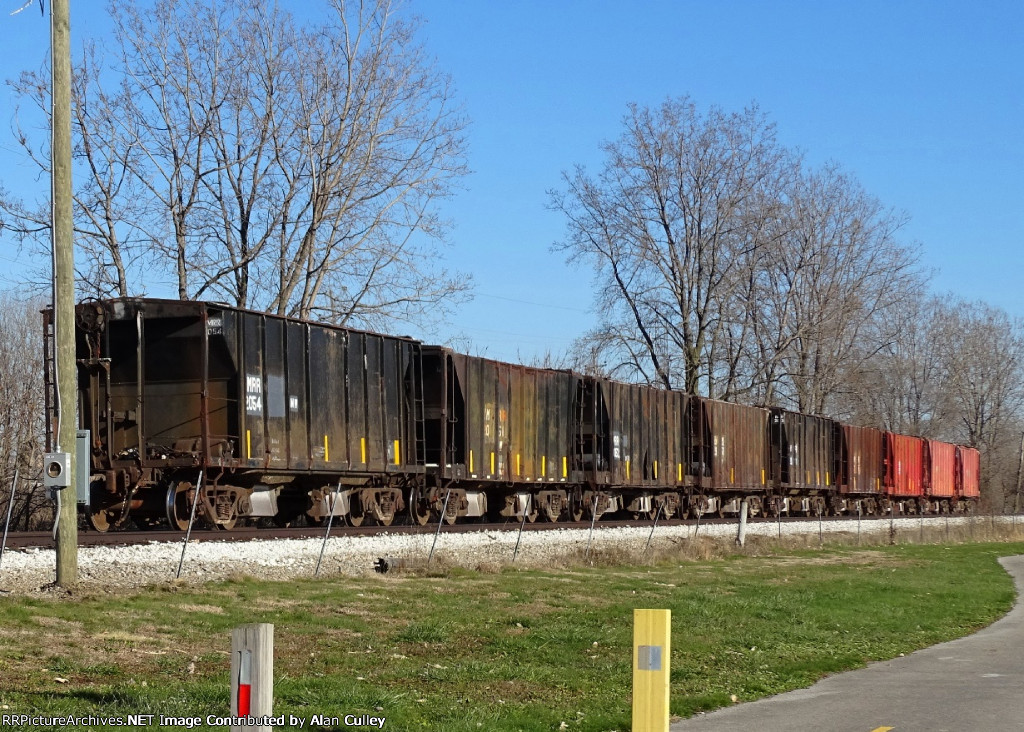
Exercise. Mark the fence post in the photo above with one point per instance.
(252, 674)
(651, 535)
(741, 534)
(651, 653)
(593, 520)
(526, 510)
(191, 521)
(10, 508)
(440, 521)
(330, 520)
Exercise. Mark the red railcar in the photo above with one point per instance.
(904, 465)
(940, 469)
(968, 461)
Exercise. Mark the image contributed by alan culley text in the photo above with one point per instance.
(291, 721)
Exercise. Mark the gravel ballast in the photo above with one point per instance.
(125, 567)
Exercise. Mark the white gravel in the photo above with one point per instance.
(103, 568)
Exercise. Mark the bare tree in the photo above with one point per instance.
(287, 167)
(983, 353)
(21, 412)
(667, 225)
(107, 205)
(825, 288)
(900, 386)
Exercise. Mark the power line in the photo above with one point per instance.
(537, 304)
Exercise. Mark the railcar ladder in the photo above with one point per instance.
(580, 440)
(419, 411)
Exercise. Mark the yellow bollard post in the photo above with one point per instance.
(651, 651)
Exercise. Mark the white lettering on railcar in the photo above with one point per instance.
(253, 394)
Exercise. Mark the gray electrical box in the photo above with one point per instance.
(57, 470)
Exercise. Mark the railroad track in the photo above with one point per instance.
(44, 539)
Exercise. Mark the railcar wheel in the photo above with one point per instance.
(179, 505)
(419, 510)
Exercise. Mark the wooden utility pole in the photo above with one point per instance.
(64, 285)
(1020, 466)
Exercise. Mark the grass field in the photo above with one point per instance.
(499, 650)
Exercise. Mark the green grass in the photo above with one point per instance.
(507, 650)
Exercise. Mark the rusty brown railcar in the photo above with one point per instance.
(275, 411)
(636, 439)
(803, 460)
(500, 437)
(860, 454)
(803, 451)
(737, 446)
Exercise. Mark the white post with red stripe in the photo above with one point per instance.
(252, 673)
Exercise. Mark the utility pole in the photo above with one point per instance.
(1020, 466)
(64, 286)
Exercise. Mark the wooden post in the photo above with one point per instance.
(252, 674)
(651, 652)
(1020, 465)
(64, 288)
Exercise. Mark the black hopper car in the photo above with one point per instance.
(279, 418)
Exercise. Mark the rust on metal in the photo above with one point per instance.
(904, 465)
(861, 458)
(738, 446)
(968, 467)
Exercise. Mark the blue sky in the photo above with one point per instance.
(922, 101)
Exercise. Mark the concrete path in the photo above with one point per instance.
(973, 684)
